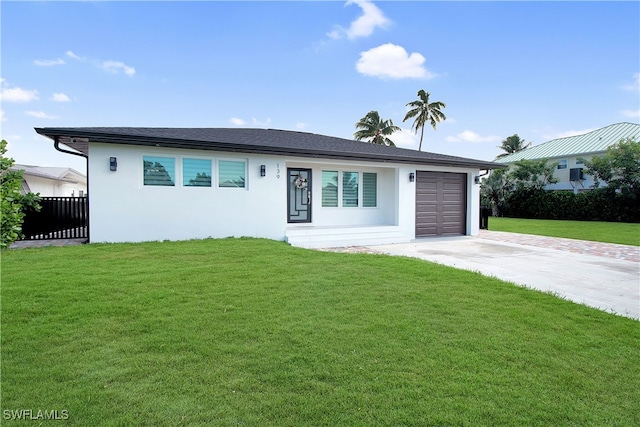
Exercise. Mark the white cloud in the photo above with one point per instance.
(254, 122)
(113, 67)
(632, 114)
(473, 137)
(40, 115)
(392, 61)
(3, 118)
(635, 86)
(72, 55)
(116, 67)
(405, 139)
(48, 62)
(60, 97)
(261, 124)
(16, 94)
(301, 125)
(365, 24)
(334, 34)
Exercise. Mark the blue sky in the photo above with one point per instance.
(539, 69)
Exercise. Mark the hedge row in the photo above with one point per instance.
(602, 204)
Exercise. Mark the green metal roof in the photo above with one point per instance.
(592, 142)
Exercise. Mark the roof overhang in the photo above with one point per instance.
(79, 138)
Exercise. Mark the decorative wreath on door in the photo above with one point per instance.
(300, 182)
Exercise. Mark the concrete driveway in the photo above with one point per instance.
(599, 275)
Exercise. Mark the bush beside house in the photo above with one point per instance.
(12, 202)
(602, 204)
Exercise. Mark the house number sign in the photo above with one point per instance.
(278, 170)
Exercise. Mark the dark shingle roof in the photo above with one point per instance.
(262, 141)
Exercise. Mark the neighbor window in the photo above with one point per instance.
(349, 189)
(329, 189)
(196, 173)
(231, 173)
(160, 171)
(369, 190)
(562, 164)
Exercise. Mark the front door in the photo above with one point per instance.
(299, 199)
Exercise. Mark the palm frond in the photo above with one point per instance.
(373, 129)
(423, 112)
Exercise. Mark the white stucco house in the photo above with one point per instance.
(52, 181)
(148, 184)
(567, 152)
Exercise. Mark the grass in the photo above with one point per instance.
(257, 333)
(595, 231)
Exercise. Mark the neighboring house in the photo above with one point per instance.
(149, 184)
(52, 181)
(568, 151)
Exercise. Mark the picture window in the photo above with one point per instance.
(159, 171)
(196, 172)
(232, 173)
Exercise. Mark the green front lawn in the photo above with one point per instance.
(595, 231)
(258, 333)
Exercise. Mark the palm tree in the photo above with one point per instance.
(376, 130)
(495, 189)
(424, 112)
(512, 144)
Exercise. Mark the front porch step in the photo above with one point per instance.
(331, 237)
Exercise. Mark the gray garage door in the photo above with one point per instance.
(440, 203)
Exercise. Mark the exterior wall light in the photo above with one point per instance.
(476, 179)
(412, 177)
(263, 170)
(113, 164)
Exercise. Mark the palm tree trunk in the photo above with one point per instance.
(421, 136)
(494, 209)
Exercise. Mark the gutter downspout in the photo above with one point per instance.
(56, 145)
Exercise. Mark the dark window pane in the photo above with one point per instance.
(329, 189)
(231, 173)
(159, 170)
(369, 190)
(349, 189)
(196, 173)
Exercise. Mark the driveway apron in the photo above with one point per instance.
(599, 275)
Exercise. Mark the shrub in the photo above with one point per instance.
(12, 202)
(601, 204)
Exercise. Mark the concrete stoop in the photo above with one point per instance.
(314, 237)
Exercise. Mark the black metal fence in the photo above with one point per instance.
(59, 218)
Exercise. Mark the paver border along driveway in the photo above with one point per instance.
(600, 275)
